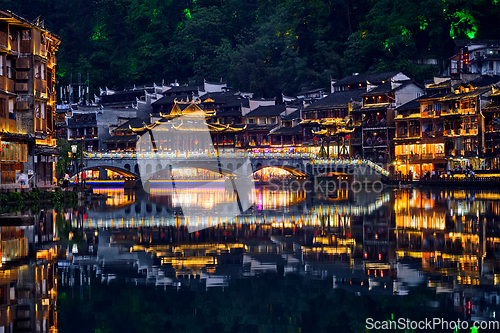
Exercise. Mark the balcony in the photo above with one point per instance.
(419, 157)
(430, 114)
(432, 134)
(6, 84)
(451, 112)
(40, 125)
(22, 75)
(467, 111)
(22, 63)
(492, 129)
(21, 87)
(40, 86)
(451, 132)
(469, 131)
(26, 46)
(375, 143)
(8, 125)
(23, 106)
(370, 123)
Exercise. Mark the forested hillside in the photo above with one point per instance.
(264, 46)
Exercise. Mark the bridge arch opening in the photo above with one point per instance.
(100, 173)
(127, 166)
(158, 167)
(136, 169)
(274, 173)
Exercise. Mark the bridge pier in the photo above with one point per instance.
(103, 174)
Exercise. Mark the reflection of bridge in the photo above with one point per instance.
(301, 165)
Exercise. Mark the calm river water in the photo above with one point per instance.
(295, 262)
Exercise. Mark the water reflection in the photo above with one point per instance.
(438, 246)
(28, 276)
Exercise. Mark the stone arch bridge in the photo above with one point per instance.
(146, 165)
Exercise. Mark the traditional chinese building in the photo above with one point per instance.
(27, 99)
(378, 113)
(328, 120)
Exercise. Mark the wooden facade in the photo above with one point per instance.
(27, 100)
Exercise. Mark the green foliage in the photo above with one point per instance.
(67, 157)
(58, 199)
(16, 197)
(267, 47)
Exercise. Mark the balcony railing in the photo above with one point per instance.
(418, 157)
(467, 111)
(491, 129)
(450, 133)
(428, 114)
(375, 143)
(432, 134)
(374, 123)
(469, 131)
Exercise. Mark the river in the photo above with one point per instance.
(297, 261)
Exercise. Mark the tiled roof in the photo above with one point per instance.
(413, 104)
(121, 139)
(364, 77)
(182, 89)
(294, 115)
(257, 127)
(440, 85)
(169, 100)
(134, 123)
(387, 88)
(267, 111)
(338, 99)
(288, 130)
(485, 81)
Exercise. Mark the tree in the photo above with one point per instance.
(67, 159)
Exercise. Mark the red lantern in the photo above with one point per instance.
(195, 142)
(315, 138)
(162, 141)
(347, 137)
(223, 141)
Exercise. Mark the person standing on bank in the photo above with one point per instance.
(23, 179)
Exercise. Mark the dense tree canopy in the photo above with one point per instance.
(265, 46)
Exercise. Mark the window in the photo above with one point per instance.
(26, 34)
(43, 71)
(11, 105)
(37, 69)
(37, 110)
(1, 66)
(10, 71)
